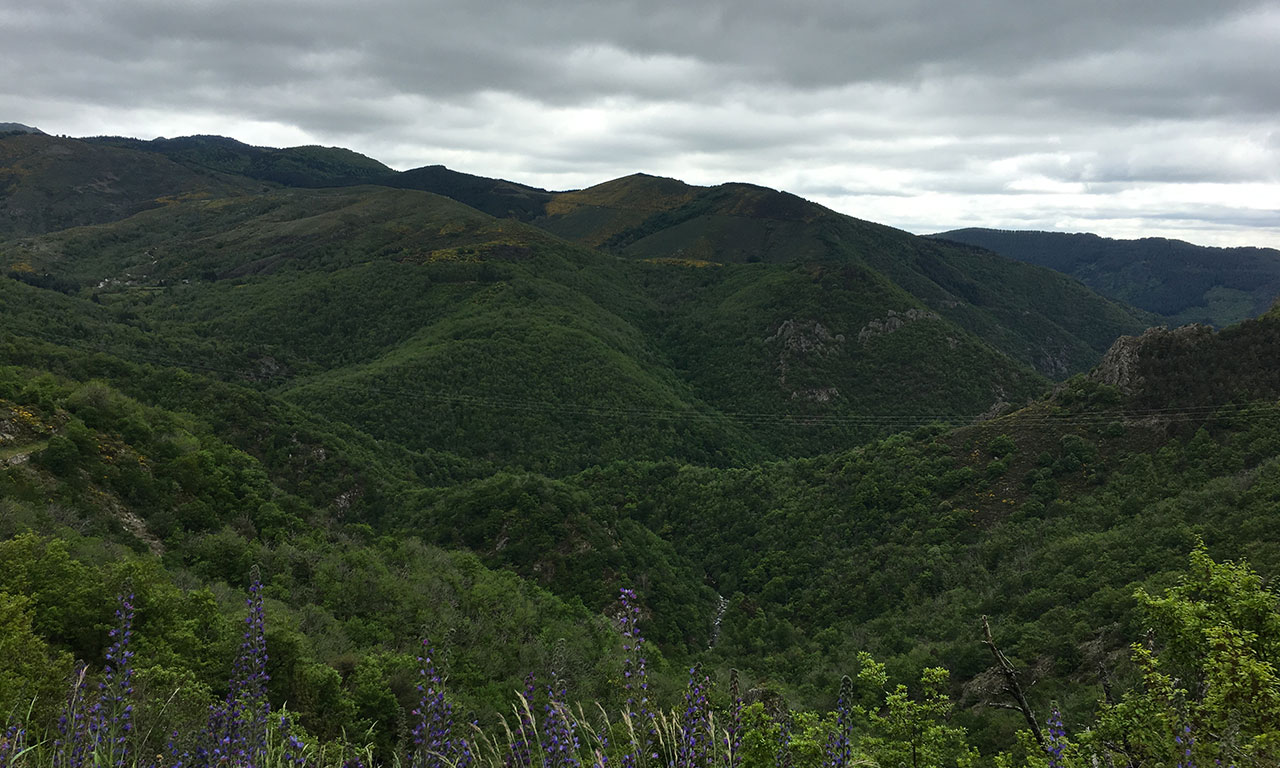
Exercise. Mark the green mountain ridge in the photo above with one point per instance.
(809, 351)
(18, 128)
(49, 183)
(1181, 282)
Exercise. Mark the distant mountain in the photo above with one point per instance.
(336, 167)
(431, 324)
(309, 166)
(49, 183)
(1055, 325)
(1181, 282)
(741, 322)
(18, 128)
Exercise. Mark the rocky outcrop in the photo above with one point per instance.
(1120, 365)
(800, 337)
(892, 322)
(799, 340)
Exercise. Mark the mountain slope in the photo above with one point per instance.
(309, 166)
(1182, 282)
(336, 167)
(1045, 519)
(407, 315)
(1055, 325)
(807, 332)
(507, 344)
(49, 183)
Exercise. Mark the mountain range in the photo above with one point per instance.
(430, 401)
(1180, 282)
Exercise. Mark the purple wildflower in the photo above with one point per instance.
(602, 749)
(560, 744)
(12, 745)
(432, 737)
(71, 747)
(782, 758)
(237, 730)
(294, 747)
(518, 750)
(635, 682)
(733, 733)
(177, 758)
(111, 719)
(1185, 741)
(695, 723)
(840, 740)
(1057, 739)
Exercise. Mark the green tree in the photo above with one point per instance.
(1209, 677)
(903, 730)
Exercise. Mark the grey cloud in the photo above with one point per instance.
(874, 99)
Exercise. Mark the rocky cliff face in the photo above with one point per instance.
(893, 321)
(1120, 367)
(798, 341)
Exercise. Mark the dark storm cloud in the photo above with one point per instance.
(871, 101)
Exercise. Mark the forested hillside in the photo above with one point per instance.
(1181, 282)
(382, 407)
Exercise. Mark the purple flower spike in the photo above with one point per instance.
(635, 683)
(695, 723)
(560, 745)
(237, 730)
(71, 747)
(111, 719)
(733, 733)
(518, 749)
(839, 742)
(432, 737)
(782, 757)
(1057, 739)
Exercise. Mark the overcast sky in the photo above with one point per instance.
(1123, 117)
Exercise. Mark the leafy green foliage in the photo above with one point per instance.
(1209, 686)
(903, 730)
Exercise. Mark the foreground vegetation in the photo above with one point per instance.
(1209, 694)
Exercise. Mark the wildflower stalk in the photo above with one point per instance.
(13, 745)
(433, 740)
(695, 723)
(839, 743)
(237, 729)
(782, 757)
(560, 743)
(1057, 740)
(733, 729)
(635, 683)
(71, 747)
(517, 755)
(111, 718)
(1185, 741)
